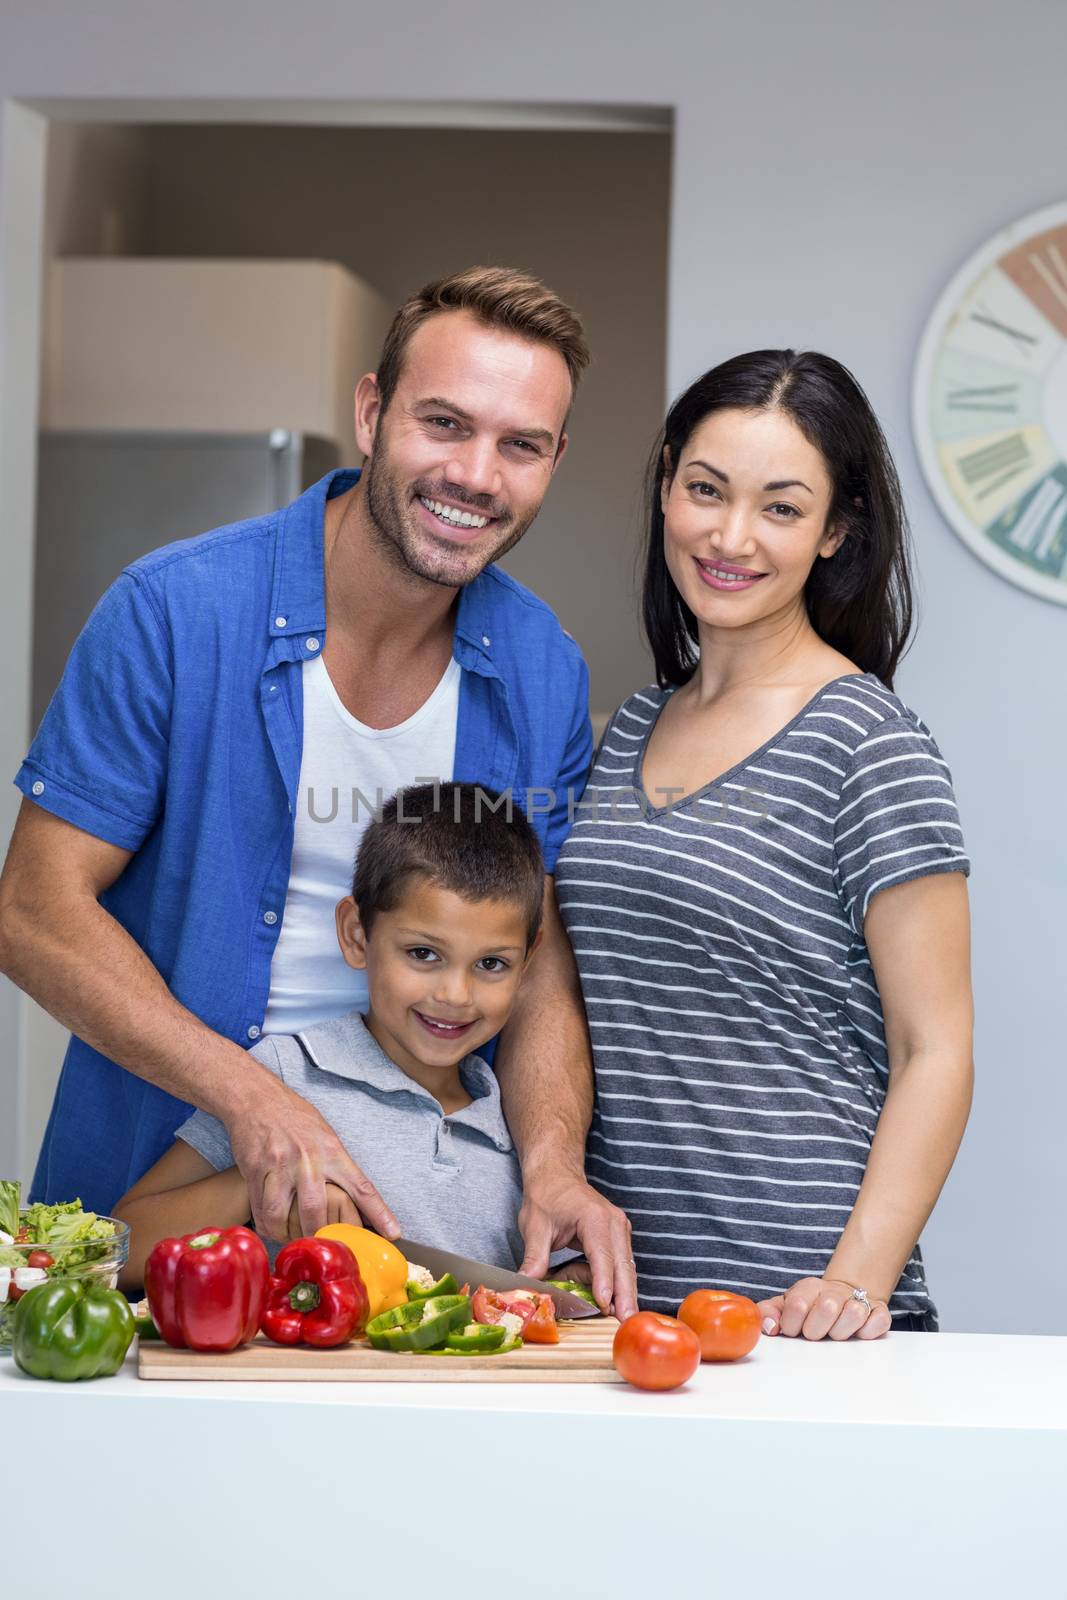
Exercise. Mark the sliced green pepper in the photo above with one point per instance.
(433, 1291)
(145, 1328)
(477, 1338)
(498, 1350)
(569, 1286)
(419, 1324)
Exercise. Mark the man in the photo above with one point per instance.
(165, 883)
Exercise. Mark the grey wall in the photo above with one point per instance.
(832, 167)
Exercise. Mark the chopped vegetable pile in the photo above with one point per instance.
(438, 1320)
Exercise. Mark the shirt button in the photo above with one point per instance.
(253, 1032)
(270, 918)
(313, 644)
(485, 640)
(279, 622)
(274, 688)
(38, 787)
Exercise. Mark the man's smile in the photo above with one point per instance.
(454, 515)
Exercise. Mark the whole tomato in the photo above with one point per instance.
(655, 1352)
(727, 1325)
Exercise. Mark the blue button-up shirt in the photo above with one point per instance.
(177, 734)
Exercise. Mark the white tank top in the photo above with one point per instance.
(309, 978)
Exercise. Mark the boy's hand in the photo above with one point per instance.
(288, 1155)
(339, 1208)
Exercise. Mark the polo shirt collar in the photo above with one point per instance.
(298, 593)
(345, 1047)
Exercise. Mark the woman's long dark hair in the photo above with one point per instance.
(859, 600)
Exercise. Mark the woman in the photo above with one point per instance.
(765, 883)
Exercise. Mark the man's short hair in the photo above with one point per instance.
(500, 297)
(460, 837)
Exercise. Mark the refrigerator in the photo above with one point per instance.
(103, 499)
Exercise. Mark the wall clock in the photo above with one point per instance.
(990, 403)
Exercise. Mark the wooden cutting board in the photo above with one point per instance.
(583, 1355)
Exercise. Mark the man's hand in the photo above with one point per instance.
(562, 1211)
(823, 1308)
(288, 1155)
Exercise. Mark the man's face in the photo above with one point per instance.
(460, 462)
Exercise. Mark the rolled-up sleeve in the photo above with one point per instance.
(99, 759)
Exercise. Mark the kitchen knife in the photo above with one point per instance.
(480, 1272)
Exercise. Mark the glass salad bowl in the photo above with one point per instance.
(25, 1263)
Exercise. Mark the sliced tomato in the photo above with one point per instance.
(542, 1327)
(488, 1306)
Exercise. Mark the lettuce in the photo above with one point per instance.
(81, 1235)
(9, 1206)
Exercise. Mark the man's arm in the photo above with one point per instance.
(60, 945)
(182, 1193)
(545, 1070)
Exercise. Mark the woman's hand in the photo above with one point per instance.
(820, 1308)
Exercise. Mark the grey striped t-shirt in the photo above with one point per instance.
(737, 1031)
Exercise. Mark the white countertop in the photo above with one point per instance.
(934, 1464)
(955, 1380)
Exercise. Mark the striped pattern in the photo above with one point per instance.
(737, 1030)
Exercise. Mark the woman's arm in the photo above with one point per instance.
(918, 936)
(180, 1194)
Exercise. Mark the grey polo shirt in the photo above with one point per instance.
(453, 1182)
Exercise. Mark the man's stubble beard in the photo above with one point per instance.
(389, 513)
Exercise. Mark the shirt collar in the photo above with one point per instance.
(346, 1048)
(298, 594)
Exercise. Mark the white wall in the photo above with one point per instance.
(832, 167)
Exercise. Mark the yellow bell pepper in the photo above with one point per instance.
(382, 1266)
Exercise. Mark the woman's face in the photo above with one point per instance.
(745, 518)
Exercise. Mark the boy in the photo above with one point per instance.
(444, 915)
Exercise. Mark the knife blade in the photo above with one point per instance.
(464, 1270)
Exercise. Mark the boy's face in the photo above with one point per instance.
(443, 972)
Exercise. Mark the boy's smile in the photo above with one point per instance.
(443, 973)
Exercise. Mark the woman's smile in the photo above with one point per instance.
(724, 575)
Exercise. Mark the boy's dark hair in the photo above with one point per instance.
(460, 836)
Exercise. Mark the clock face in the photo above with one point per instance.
(990, 403)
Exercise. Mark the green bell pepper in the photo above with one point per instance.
(71, 1328)
(419, 1324)
(432, 1291)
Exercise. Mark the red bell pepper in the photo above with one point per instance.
(316, 1295)
(206, 1291)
